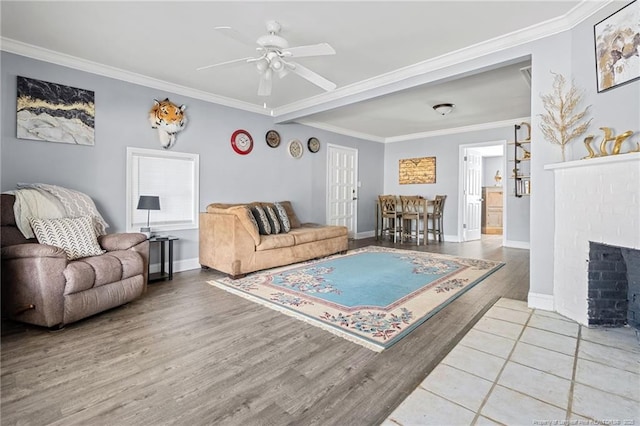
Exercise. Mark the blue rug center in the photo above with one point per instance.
(366, 279)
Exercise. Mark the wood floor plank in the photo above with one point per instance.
(191, 353)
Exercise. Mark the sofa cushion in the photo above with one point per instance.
(262, 220)
(285, 225)
(275, 241)
(308, 233)
(75, 235)
(291, 214)
(273, 219)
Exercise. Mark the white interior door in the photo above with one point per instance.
(472, 195)
(342, 187)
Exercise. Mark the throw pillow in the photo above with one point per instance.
(75, 235)
(273, 219)
(261, 218)
(252, 219)
(282, 216)
(291, 214)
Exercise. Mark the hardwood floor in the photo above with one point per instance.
(190, 353)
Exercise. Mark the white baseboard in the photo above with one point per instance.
(178, 265)
(541, 301)
(516, 244)
(368, 234)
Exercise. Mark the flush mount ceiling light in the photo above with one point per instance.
(443, 109)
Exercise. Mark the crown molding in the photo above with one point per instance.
(413, 136)
(418, 73)
(39, 53)
(342, 131)
(457, 130)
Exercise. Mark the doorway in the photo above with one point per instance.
(342, 191)
(477, 164)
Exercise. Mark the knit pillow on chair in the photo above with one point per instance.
(75, 235)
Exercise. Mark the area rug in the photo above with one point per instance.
(373, 296)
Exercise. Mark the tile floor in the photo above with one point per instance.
(520, 366)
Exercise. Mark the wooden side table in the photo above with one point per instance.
(163, 274)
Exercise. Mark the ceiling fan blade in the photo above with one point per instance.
(236, 35)
(313, 77)
(310, 50)
(235, 61)
(264, 89)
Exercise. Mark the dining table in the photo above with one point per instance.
(427, 207)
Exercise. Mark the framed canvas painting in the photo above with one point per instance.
(54, 112)
(417, 170)
(617, 44)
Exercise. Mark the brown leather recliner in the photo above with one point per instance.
(40, 286)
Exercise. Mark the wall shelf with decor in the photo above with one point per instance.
(521, 160)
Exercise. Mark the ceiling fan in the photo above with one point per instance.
(274, 57)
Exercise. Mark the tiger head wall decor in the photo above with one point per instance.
(169, 119)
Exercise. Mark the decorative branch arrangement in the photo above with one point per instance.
(560, 125)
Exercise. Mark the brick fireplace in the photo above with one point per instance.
(614, 286)
(596, 239)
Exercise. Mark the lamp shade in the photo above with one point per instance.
(149, 202)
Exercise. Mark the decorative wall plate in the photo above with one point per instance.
(313, 144)
(242, 142)
(295, 148)
(273, 138)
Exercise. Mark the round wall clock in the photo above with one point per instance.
(295, 148)
(313, 144)
(273, 138)
(242, 142)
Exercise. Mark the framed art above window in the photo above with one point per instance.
(172, 176)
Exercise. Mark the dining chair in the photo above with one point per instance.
(435, 217)
(412, 211)
(391, 216)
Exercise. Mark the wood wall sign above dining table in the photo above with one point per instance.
(417, 170)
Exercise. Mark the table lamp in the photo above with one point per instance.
(148, 203)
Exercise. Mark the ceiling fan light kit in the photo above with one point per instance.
(274, 49)
(443, 109)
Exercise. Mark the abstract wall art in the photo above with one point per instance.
(55, 112)
(617, 43)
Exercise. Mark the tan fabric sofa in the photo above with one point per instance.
(230, 242)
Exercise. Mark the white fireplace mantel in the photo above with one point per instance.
(590, 162)
(597, 200)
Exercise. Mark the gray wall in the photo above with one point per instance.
(446, 150)
(489, 167)
(266, 174)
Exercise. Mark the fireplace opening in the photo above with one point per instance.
(614, 286)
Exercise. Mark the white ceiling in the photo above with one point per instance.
(162, 43)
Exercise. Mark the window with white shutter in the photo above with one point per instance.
(172, 176)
